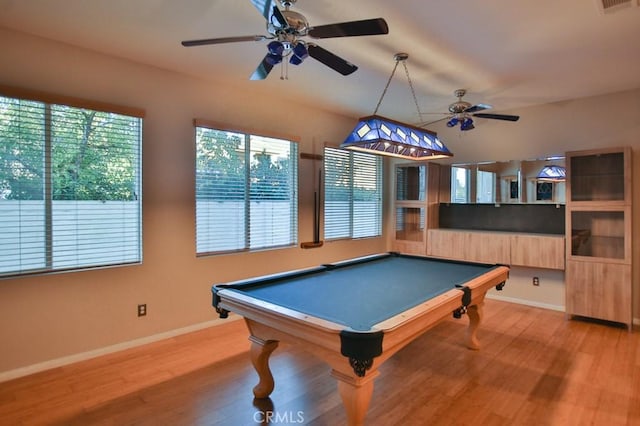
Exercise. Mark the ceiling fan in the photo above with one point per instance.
(286, 28)
(460, 112)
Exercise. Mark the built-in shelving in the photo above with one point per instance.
(598, 234)
(417, 195)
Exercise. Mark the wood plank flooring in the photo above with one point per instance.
(535, 368)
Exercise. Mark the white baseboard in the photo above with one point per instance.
(560, 308)
(59, 362)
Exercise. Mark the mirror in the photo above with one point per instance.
(501, 182)
(410, 183)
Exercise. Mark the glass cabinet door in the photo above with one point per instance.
(598, 234)
(410, 223)
(598, 177)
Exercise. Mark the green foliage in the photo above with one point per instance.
(222, 173)
(21, 149)
(219, 165)
(270, 181)
(342, 180)
(338, 175)
(92, 155)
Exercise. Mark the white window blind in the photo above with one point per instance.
(353, 194)
(246, 191)
(69, 187)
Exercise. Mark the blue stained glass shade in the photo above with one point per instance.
(380, 135)
(552, 173)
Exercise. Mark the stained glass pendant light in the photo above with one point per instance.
(552, 173)
(380, 135)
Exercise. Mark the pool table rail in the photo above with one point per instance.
(401, 329)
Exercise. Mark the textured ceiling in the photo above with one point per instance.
(506, 53)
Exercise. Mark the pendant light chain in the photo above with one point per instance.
(400, 57)
(413, 92)
(384, 92)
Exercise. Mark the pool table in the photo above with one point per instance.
(356, 313)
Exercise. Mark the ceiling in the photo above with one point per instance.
(506, 53)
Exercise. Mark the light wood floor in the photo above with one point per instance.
(535, 368)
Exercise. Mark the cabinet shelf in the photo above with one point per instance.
(598, 246)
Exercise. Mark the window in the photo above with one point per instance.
(486, 187)
(353, 194)
(246, 191)
(459, 184)
(69, 186)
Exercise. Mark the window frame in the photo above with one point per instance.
(49, 102)
(248, 153)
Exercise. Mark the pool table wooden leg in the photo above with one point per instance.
(260, 352)
(475, 314)
(356, 395)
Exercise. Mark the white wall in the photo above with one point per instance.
(45, 320)
(549, 294)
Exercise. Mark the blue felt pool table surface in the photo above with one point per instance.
(361, 293)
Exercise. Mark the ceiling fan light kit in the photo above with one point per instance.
(379, 135)
(466, 123)
(286, 29)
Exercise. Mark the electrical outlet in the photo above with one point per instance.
(142, 310)
(536, 281)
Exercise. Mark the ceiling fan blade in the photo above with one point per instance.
(478, 107)
(349, 29)
(332, 61)
(270, 11)
(498, 116)
(262, 71)
(203, 42)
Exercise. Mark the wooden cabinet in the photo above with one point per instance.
(416, 195)
(446, 243)
(419, 189)
(529, 250)
(538, 251)
(598, 234)
(599, 290)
